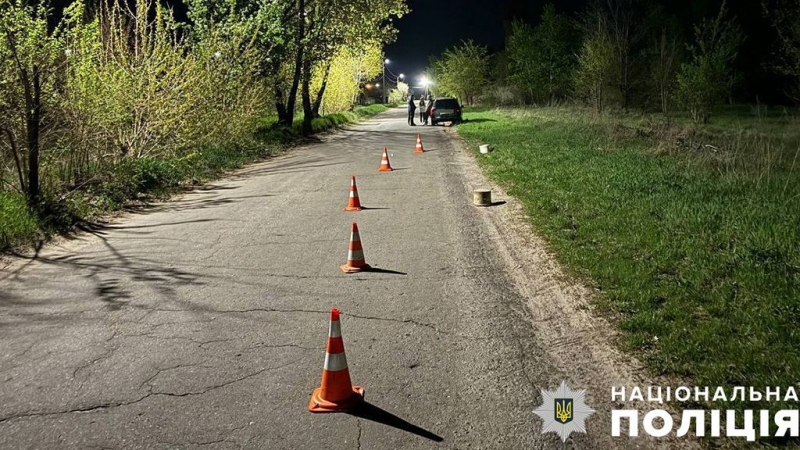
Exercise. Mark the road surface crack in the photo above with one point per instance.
(107, 354)
(263, 345)
(109, 405)
(221, 385)
(358, 439)
(404, 321)
(84, 409)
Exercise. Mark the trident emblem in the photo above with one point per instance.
(564, 410)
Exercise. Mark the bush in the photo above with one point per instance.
(708, 77)
(137, 178)
(371, 110)
(503, 96)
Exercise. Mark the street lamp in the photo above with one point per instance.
(385, 62)
(425, 83)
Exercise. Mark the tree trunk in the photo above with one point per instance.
(280, 101)
(321, 93)
(33, 119)
(32, 86)
(625, 85)
(17, 163)
(291, 101)
(308, 111)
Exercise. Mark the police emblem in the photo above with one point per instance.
(563, 411)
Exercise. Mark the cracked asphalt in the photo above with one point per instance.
(202, 322)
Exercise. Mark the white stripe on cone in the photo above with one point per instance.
(335, 329)
(355, 255)
(335, 362)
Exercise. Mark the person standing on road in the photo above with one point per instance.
(422, 109)
(428, 109)
(412, 109)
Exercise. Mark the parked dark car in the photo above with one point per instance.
(445, 110)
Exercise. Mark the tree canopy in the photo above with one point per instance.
(94, 87)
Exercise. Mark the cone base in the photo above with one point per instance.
(419, 151)
(318, 405)
(353, 208)
(385, 169)
(352, 269)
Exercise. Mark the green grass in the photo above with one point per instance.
(18, 225)
(697, 260)
(152, 178)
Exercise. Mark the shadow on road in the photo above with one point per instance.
(371, 412)
(101, 229)
(296, 163)
(379, 270)
(197, 204)
(113, 273)
(498, 203)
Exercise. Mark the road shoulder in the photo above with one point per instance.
(559, 308)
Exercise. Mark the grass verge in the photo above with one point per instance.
(150, 178)
(694, 248)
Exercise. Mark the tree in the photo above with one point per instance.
(627, 25)
(330, 27)
(311, 34)
(138, 87)
(399, 94)
(708, 77)
(543, 58)
(665, 58)
(345, 74)
(595, 62)
(31, 54)
(462, 71)
(785, 17)
(523, 53)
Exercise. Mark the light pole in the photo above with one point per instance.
(385, 62)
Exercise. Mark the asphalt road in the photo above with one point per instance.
(202, 322)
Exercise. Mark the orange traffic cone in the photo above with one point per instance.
(385, 166)
(355, 255)
(336, 392)
(354, 204)
(419, 148)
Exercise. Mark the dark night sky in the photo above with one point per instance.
(435, 25)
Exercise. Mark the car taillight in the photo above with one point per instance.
(433, 110)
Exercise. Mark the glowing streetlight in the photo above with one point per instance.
(385, 63)
(425, 83)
